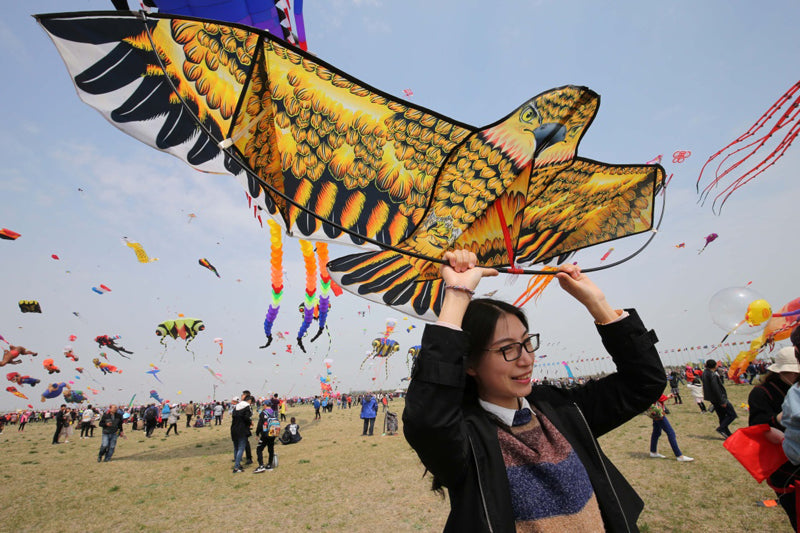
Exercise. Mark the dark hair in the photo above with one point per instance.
(480, 321)
(795, 336)
(292, 420)
(711, 363)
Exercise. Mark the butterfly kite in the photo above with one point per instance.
(330, 158)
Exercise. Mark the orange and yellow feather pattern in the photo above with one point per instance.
(326, 154)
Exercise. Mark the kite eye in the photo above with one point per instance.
(529, 114)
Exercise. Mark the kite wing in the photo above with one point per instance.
(347, 153)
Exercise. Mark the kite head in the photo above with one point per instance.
(162, 330)
(758, 312)
(196, 326)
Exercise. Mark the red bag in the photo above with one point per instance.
(751, 448)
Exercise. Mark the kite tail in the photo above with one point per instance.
(276, 277)
(272, 314)
(535, 288)
(392, 279)
(186, 347)
(309, 300)
(325, 283)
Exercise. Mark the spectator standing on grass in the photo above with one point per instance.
(218, 410)
(696, 388)
(282, 410)
(111, 423)
(317, 405)
(173, 420)
(61, 417)
(150, 419)
(241, 420)
(23, 419)
(86, 421)
(714, 391)
(674, 381)
(165, 410)
(275, 403)
(788, 474)
(266, 433)
(189, 412)
(369, 410)
(657, 412)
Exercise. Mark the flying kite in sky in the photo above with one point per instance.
(105, 368)
(738, 151)
(50, 366)
(333, 159)
(141, 255)
(8, 235)
(54, 390)
(69, 354)
(101, 290)
(207, 264)
(680, 156)
(184, 328)
(711, 237)
(154, 395)
(215, 374)
(74, 396)
(154, 372)
(11, 355)
(30, 306)
(15, 377)
(110, 342)
(15, 392)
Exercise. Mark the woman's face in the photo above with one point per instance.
(499, 381)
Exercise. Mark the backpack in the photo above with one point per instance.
(273, 427)
(150, 414)
(655, 411)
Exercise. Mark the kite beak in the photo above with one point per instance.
(547, 135)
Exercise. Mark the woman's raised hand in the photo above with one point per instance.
(586, 292)
(460, 270)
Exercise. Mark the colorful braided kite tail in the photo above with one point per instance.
(325, 283)
(309, 300)
(276, 278)
(787, 118)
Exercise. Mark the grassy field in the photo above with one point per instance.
(336, 480)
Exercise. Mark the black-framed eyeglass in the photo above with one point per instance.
(513, 351)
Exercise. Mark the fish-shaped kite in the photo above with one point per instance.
(206, 263)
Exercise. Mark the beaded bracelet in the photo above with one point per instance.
(461, 288)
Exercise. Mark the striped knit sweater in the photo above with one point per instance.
(550, 489)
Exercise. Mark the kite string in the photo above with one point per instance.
(235, 157)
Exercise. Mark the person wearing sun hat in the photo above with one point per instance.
(788, 473)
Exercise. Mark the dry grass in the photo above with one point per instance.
(336, 480)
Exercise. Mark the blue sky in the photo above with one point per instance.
(672, 76)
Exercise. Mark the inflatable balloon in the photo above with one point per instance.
(739, 310)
